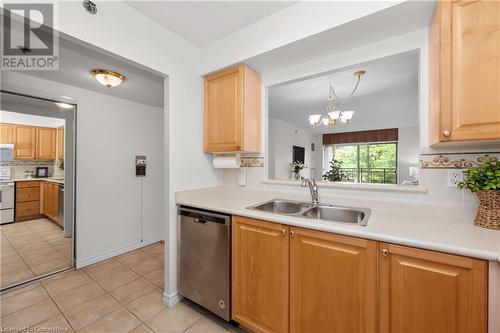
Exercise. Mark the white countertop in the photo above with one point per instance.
(439, 228)
(49, 179)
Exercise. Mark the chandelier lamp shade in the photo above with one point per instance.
(335, 116)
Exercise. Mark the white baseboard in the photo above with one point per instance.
(82, 262)
(171, 300)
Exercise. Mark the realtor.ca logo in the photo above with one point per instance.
(30, 41)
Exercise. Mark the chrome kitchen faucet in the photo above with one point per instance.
(313, 187)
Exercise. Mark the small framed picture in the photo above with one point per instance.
(42, 172)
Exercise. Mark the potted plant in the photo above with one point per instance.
(335, 174)
(297, 167)
(485, 182)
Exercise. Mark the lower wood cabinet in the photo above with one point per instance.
(333, 285)
(288, 279)
(260, 275)
(27, 205)
(426, 291)
(50, 200)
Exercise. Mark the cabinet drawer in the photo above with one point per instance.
(27, 208)
(28, 194)
(24, 184)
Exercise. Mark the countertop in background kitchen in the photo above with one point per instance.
(49, 179)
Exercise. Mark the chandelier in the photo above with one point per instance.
(335, 116)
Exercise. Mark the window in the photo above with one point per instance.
(365, 163)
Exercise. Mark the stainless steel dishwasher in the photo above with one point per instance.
(205, 272)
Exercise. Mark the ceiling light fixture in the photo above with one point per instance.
(335, 116)
(107, 77)
(63, 105)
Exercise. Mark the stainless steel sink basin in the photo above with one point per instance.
(278, 206)
(317, 212)
(337, 214)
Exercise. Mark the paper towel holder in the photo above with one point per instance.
(226, 160)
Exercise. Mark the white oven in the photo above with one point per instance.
(6, 196)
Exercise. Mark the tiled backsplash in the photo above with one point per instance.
(456, 161)
(248, 161)
(27, 163)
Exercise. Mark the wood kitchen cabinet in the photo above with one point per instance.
(464, 81)
(233, 110)
(24, 142)
(289, 279)
(260, 275)
(333, 284)
(60, 143)
(27, 205)
(50, 200)
(426, 291)
(6, 134)
(45, 143)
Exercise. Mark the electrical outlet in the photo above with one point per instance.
(454, 176)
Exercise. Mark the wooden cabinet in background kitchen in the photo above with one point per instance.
(260, 275)
(60, 143)
(24, 142)
(333, 282)
(45, 143)
(6, 134)
(233, 110)
(27, 205)
(50, 200)
(426, 291)
(464, 68)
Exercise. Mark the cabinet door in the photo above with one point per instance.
(55, 202)
(333, 283)
(60, 143)
(425, 291)
(44, 197)
(6, 133)
(473, 57)
(224, 111)
(24, 142)
(45, 143)
(260, 275)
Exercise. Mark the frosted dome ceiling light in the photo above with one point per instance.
(107, 77)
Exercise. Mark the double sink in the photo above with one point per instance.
(318, 212)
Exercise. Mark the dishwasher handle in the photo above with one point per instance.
(202, 222)
(204, 217)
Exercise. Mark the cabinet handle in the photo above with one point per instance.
(446, 134)
(385, 252)
(292, 233)
(283, 232)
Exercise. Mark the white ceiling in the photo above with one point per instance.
(76, 60)
(394, 21)
(202, 22)
(387, 95)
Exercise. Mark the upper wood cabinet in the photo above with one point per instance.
(60, 143)
(426, 291)
(260, 275)
(24, 142)
(45, 143)
(233, 110)
(6, 133)
(333, 284)
(464, 72)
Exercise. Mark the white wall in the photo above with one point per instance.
(283, 136)
(109, 132)
(119, 29)
(31, 120)
(408, 153)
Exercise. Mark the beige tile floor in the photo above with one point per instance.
(121, 294)
(32, 248)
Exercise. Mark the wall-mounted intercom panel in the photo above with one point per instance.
(140, 165)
